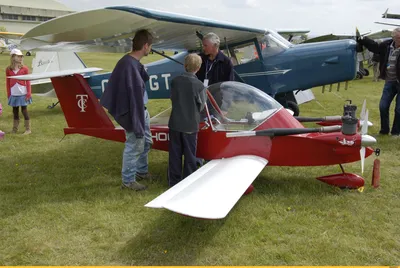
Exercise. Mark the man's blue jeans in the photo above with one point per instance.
(135, 156)
(390, 90)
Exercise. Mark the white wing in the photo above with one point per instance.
(111, 30)
(212, 190)
(55, 74)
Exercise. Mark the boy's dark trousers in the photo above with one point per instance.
(181, 144)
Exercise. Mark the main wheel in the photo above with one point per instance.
(294, 107)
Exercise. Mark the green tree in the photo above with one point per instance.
(3, 29)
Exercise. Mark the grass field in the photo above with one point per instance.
(60, 202)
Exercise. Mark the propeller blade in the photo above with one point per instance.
(363, 110)
(357, 32)
(362, 158)
(364, 129)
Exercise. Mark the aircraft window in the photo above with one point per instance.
(238, 106)
(270, 46)
(244, 53)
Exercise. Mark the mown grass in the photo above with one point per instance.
(60, 202)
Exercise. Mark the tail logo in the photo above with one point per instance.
(82, 99)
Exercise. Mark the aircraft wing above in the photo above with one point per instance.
(385, 23)
(10, 35)
(111, 30)
(212, 191)
(331, 37)
(45, 75)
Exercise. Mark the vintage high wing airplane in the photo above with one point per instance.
(243, 130)
(9, 41)
(275, 66)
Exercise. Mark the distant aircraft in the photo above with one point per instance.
(9, 41)
(387, 15)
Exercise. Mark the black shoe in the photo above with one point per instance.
(134, 186)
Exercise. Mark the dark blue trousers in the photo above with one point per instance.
(390, 90)
(181, 144)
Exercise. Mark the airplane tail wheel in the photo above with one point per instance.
(294, 107)
(28, 53)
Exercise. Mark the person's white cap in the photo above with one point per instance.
(16, 51)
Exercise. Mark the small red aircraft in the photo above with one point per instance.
(244, 129)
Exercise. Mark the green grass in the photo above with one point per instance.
(60, 202)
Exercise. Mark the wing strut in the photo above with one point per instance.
(165, 56)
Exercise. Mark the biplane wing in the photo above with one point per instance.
(111, 29)
(213, 190)
(11, 35)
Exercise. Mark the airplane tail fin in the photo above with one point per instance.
(82, 110)
(52, 62)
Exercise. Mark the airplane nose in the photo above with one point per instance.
(367, 140)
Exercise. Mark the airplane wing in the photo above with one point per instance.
(111, 30)
(212, 191)
(10, 35)
(390, 24)
(387, 15)
(45, 75)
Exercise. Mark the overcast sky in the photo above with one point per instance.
(318, 16)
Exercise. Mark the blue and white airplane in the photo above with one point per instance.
(262, 58)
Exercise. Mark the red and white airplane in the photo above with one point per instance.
(244, 129)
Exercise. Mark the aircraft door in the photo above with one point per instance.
(249, 66)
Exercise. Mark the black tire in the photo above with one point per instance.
(366, 72)
(28, 53)
(294, 107)
(359, 75)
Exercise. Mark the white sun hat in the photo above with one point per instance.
(16, 51)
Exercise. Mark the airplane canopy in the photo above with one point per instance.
(111, 30)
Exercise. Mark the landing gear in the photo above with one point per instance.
(288, 101)
(294, 107)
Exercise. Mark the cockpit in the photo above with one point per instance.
(269, 45)
(231, 106)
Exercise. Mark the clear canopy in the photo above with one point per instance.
(232, 106)
(238, 106)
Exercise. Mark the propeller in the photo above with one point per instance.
(363, 113)
(364, 131)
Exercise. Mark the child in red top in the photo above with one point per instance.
(18, 92)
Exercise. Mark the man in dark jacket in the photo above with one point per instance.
(188, 99)
(389, 67)
(215, 67)
(124, 99)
